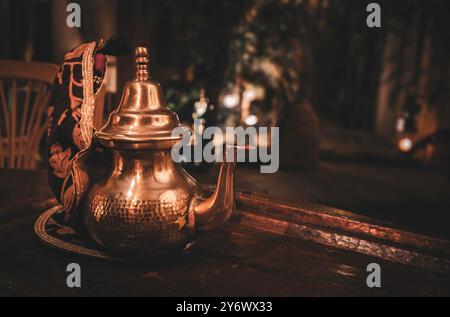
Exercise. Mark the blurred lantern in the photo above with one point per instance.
(231, 100)
(251, 120)
(406, 129)
(230, 96)
(250, 95)
(400, 127)
(405, 144)
(201, 105)
(200, 108)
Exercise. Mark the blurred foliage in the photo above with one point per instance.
(321, 50)
(194, 38)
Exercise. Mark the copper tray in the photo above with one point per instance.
(319, 224)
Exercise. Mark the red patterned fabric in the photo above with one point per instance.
(64, 114)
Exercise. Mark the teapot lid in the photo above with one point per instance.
(142, 119)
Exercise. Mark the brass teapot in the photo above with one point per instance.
(146, 203)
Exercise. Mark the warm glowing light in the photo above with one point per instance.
(169, 196)
(251, 120)
(231, 101)
(400, 127)
(250, 95)
(163, 176)
(405, 144)
(200, 108)
(130, 191)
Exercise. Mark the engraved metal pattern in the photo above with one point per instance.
(129, 224)
(141, 206)
(147, 204)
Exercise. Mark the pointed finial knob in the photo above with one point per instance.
(142, 60)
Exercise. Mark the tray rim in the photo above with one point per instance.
(341, 220)
(315, 223)
(47, 239)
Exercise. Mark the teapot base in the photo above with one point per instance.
(150, 254)
(143, 247)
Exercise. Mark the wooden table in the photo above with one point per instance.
(240, 259)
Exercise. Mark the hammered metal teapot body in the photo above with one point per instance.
(146, 203)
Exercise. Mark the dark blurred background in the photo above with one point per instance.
(364, 112)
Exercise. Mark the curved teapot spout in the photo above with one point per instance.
(217, 209)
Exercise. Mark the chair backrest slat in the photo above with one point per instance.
(34, 110)
(24, 93)
(25, 107)
(12, 124)
(4, 123)
(35, 135)
(4, 107)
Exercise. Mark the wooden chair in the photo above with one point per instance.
(24, 93)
